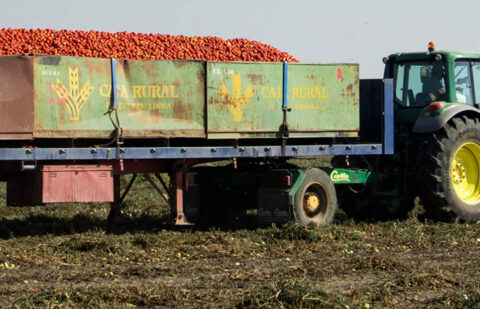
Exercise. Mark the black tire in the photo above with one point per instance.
(316, 187)
(436, 187)
(359, 201)
(365, 206)
(355, 200)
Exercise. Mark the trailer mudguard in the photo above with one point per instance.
(428, 121)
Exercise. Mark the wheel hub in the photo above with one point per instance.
(458, 173)
(312, 203)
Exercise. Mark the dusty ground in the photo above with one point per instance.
(65, 256)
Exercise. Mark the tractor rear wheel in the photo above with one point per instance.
(449, 171)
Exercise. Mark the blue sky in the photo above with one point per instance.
(360, 31)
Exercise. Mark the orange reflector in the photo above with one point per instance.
(431, 46)
(435, 106)
(284, 181)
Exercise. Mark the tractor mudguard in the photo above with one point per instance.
(427, 123)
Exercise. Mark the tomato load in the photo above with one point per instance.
(131, 45)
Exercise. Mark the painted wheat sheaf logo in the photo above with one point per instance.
(237, 100)
(74, 97)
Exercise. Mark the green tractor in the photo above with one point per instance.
(437, 141)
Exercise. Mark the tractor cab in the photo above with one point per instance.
(428, 83)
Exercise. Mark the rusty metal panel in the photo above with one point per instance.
(16, 97)
(156, 98)
(245, 99)
(77, 183)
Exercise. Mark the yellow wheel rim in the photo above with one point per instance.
(465, 173)
(315, 200)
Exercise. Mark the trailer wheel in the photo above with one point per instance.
(315, 200)
(449, 178)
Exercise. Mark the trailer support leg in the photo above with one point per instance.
(129, 186)
(164, 185)
(178, 185)
(116, 204)
(156, 187)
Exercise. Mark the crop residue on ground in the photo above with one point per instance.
(65, 255)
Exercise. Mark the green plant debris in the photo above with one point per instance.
(65, 256)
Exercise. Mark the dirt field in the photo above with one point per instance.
(65, 256)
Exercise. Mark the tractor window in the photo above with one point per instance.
(400, 95)
(476, 80)
(419, 83)
(463, 82)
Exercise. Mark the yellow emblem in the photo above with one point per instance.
(237, 101)
(73, 97)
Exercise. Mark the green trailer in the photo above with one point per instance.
(72, 126)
